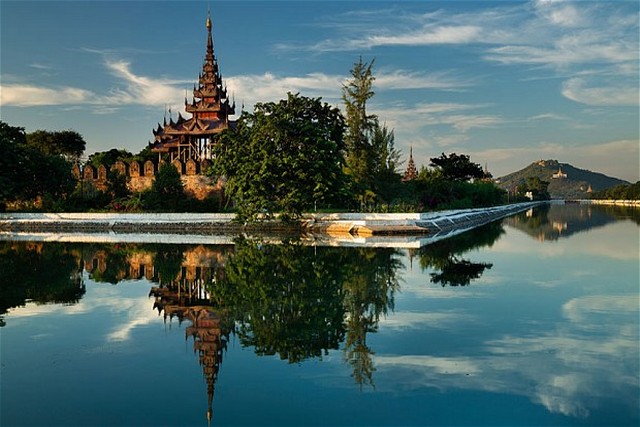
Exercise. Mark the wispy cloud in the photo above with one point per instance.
(611, 93)
(565, 38)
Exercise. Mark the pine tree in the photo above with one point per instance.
(360, 156)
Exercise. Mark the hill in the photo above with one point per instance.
(565, 180)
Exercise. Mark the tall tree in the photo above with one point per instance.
(360, 156)
(285, 157)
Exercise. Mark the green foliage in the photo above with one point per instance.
(299, 301)
(67, 143)
(457, 167)
(166, 192)
(108, 158)
(360, 156)
(117, 185)
(534, 185)
(386, 175)
(26, 173)
(619, 192)
(285, 157)
(433, 191)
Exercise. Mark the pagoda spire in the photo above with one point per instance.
(411, 173)
(209, 36)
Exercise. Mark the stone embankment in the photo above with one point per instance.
(168, 223)
(409, 223)
(363, 225)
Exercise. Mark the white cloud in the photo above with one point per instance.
(623, 93)
(566, 367)
(32, 96)
(411, 320)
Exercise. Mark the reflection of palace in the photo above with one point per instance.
(209, 328)
(183, 275)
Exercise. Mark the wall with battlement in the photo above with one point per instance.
(140, 176)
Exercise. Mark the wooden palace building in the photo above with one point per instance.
(192, 139)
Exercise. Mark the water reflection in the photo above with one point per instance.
(298, 302)
(40, 273)
(445, 256)
(552, 221)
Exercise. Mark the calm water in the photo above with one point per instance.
(532, 321)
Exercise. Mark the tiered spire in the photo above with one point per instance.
(411, 173)
(210, 107)
(210, 96)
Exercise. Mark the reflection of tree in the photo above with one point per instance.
(286, 298)
(459, 272)
(42, 273)
(168, 261)
(445, 256)
(369, 286)
(113, 265)
(293, 300)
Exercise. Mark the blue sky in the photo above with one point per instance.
(506, 82)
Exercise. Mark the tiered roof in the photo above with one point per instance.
(210, 107)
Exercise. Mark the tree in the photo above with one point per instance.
(67, 143)
(167, 191)
(360, 155)
(386, 163)
(26, 173)
(108, 158)
(457, 167)
(117, 184)
(285, 157)
(537, 187)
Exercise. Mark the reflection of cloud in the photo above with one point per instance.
(438, 365)
(133, 311)
(572, 369)
(411, 320)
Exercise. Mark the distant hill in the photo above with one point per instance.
(565, 181)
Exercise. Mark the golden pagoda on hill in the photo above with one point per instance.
(192, 139)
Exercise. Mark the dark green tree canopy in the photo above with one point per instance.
(108, 158)
(67, 143)
(167, 191)
(285, 157)
(457, 167)
(26, 172)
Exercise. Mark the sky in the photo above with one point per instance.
(505, 82)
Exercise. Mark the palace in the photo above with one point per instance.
(185, 143)
(192, 139)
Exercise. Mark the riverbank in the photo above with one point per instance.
(354, 224)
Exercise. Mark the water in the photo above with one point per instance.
(532, 321)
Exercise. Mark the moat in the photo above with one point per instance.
(531, 320)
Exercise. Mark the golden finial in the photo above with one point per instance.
(209, 20)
